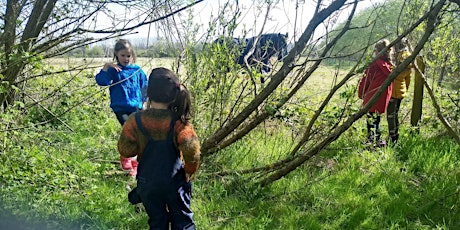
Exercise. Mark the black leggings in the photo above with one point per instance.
(392, 118)
(122, 116)
(373, 127)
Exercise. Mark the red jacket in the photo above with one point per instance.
(373, 78)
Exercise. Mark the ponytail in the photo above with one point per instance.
(182, 105)
(164, 87)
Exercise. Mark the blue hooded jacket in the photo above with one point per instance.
(128, 88)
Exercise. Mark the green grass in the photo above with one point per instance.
(55, 178)
(71, 181)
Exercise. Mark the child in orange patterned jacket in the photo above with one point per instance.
(168, 151)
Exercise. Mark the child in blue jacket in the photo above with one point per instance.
(127, 84)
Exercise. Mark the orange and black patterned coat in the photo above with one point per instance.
(156, 122)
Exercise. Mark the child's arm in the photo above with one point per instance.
(143, 85)
(189, 145)
(127, 143)
(363, 86)
(407, 78)
(111, 65)
(104, 78)
(385, 67)
(408, 69)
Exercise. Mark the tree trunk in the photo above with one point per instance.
(416, 113)
(12, 68)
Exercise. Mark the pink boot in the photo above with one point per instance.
(133, 171)
(126, 163)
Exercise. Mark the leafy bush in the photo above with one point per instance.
(65, 175)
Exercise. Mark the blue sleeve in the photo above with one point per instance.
(103, 78)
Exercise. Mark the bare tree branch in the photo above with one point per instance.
(287, 67)
(307, 154)
(265, 114)
(140, 24)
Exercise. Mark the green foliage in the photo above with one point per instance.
(4, 85)
(385, 20)
(346, 187)
(55, 178)
(64, 173)
(218, 83)
(160, 49)
(94, 51)
(442, 56)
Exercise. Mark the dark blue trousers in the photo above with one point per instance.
(161, 183)
(168, 207)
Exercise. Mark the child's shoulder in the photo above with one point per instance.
(133, 66)
(405, 54)
(382, 61)
(180, 126)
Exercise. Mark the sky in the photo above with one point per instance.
(284, 17)
(281, 17)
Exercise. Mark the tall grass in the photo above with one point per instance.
(54, 178)
(73, 182)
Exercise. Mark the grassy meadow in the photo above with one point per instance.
(65, 174)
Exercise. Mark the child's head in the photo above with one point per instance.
(380, 45)
(124, 53)
(164, 87)
(401, 45)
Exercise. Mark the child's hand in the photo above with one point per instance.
(108, 65)
(187, 177)
(145, 105)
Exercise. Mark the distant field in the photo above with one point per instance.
(147, 64)
(319, 83)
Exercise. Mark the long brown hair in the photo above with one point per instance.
(164, 87)
(121, 45)
(380, 45)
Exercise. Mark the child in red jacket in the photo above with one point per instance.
(374, 76)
